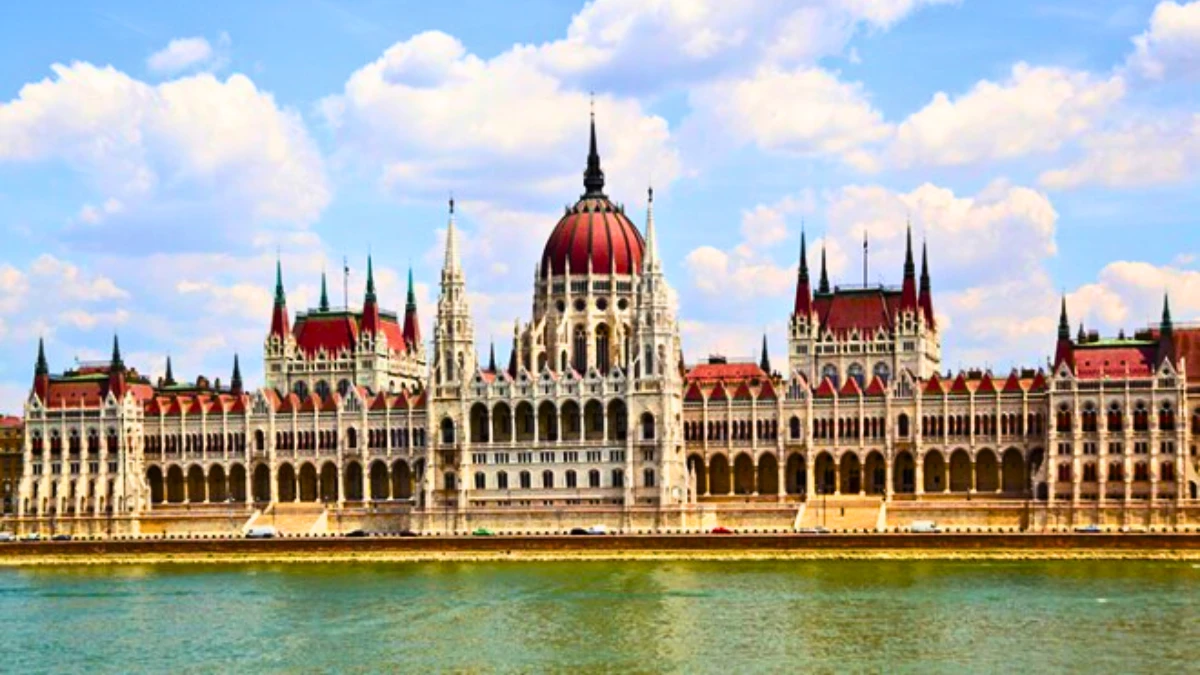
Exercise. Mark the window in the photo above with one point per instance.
(502, 481)
(616, 456)
(480, 480)
(524, 458)
(856, 373)
(447, 431)
(1167, 471)
(647, 455)
(571, 457)
(448, 481)
(479, 458)
(593, 478)
(648, 478)
(794, 428)
(830, 371)
(602, 349)
(548, 480)
(526, 481)
(618, 478)
(580, 357)
(647, 427)
(571, 479)
(547, 458)
(883, 372)
(595, 456)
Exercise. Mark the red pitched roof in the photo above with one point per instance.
(960, 385)
(1013, 385)
(1117, 361)
(850, 388)
(742, 393)
(876, 387)
(10, 422)
(1039, 382)
(718, 393)
(693, 394)
(866, 310)
(934, 386)
(725, 371)
(767, 393)
(986, 385)
(825, 389)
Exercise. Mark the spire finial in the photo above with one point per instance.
(1166, 313)
(370, 280)
(116, 353)
(651, 257)
(169, 377)
(492, 357)
(280, 297)
(803, 255)
(412, 297)
(593, 177)
(764, 361)
(909, 267)
(823, 284)
(324, 306)
(235, 383)
(1064, 325)
(42, 367)
(451, 262)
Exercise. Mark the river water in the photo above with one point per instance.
(627, 617)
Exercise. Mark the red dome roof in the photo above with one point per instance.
(594, 230)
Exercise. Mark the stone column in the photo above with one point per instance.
(918, 474)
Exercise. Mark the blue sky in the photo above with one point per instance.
(154, 157)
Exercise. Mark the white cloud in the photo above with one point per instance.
(210, 156)
(179, 55)
(806, 111)
(433, 118)
(71, 283)
(1161, 150)
(85, 321)
(1035, 111)
(1170, 47)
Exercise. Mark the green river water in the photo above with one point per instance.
(627, 617)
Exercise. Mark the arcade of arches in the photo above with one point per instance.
(860, 473)
(304, 482)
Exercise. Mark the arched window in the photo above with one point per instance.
(855, 372)
(502, 481)
(618, 478)
(1063, 419)
(649, 360)
(301, 389)
(322, 388)
(648, 478)
(547, 479)
(572, 479)
(352, 438)
(1088, 417)
(447, 431)
(448, 481)
(883, 372)
(594, 478)
(580, 344)
(902, 424)
(344, 387)
(602, 349)
(1166, 417)
(526, 481)
(1114, 416)
(794, 427)
(480, 480)
(1141, 417)
(1167, 471)
(647, 426)
(830, 371)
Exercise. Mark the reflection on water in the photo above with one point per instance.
(625, 617)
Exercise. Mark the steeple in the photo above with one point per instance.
(324, 306)
(650, 260)
(235, 384)
(925, 296)
(412, 324)
(370, 316)
(908, 290)
(492, 357)
(593, 177)
(116, 371)
(116, 362)
(169, 377)
(279, 314)
(451, 263)
(1166, 333)
(823, 286)
(41, 373)
(454, 334)
(764, 361)
(1166, 326)
(803, 304)
(1063, 349)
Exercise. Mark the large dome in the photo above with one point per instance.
(594, 231)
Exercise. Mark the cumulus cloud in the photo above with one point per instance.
(1036, 110)
(182, 54)
(1164, 149)
(212, 156)
(431, 117)
(1170, 47)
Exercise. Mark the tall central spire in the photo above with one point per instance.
(593, 177)
(650, 259)
(451, 262)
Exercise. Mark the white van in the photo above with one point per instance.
(925, 527)
(261, 532)
(598, 529)
(7, 536)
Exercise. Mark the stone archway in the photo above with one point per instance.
(286, 479)
(718, 475)
(960, 471)
(262, 483)
(935, 471)
(328, 483)
(154, 478)
(768, 475)
(195, 485)
(353, 490)
(850, 474)
(380, 481)
(987, 471)
(1013, 471)
(794, 474)
(904, 473)
(237, 483)
(743, 474)
(698, 474)
(875, 474)
(217, 484)
(402, 483)
(825, 474)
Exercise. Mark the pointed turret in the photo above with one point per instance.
(593, 177)
(116, 371)
(169, 377)
(1166, 333)
(650, 258)
(235, 383)
(41, 373)
(764, 361)
(324, 306)
(925, 295)
(823, 286)
(908, 291)
(492, 357)
(454, 334)
(451, 262)
(279, 314)
(803, 304)
(370, 316)
(412, 323)
(1063, 349)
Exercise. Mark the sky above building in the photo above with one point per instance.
(155, 158)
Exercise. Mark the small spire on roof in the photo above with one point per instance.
(42, 367)
(169, 377)
(280, 297)
(1064, 326)
(764, 361)
(492, 357)
(823, 285)
(235, 384)
(593, 176)
(324, 305)
(117, 363)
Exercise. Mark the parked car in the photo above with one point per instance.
(262, 532)
(482, 532)
(32, 536)
(356, 533)
(813, 530)
(925, 527)
(61, 537)
(579, 531)
(7, 536)
(1089, 529)
(721, 530)
(598, 529)
(407, 533)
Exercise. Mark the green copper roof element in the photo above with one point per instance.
(42, 367)
(236, 382)
(116, 354)
(370, 281)
(823, 287)
(803, 258)
(280, 298)
(324, 306)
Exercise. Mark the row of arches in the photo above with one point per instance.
(733, 430)
(1008, 473)
(306, 483)
(569, 422)
(1114, 417)
(1092, 472)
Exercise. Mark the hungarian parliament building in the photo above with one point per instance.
(597, 415)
